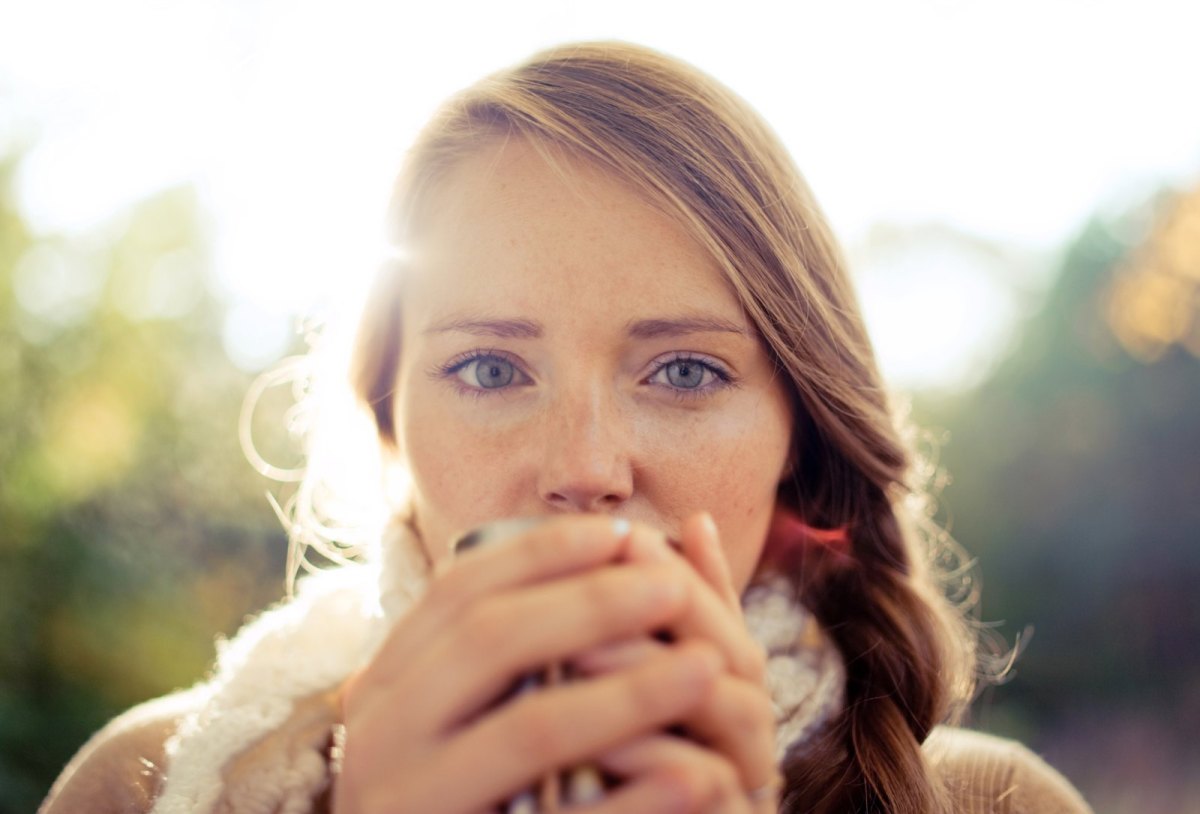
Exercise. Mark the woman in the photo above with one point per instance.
(619, 309)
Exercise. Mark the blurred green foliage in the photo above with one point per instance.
(1076, 482)
(132, 529)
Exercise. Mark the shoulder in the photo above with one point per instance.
(119, 769)
(986, 774)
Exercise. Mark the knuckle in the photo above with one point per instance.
(664, 689)
(689, 785)
(727, 784)
(620, 599)
(669, 588)
(445, 591)
(478, 630)
(753, 714)
(648, 696)
(758, 661)
(601, 594)
(714, 778)
(537, 733)
(766, 713)
(599, 611)
(725, 776)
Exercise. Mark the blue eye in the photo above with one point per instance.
(686, 373)
(689, 376)
(490, 372)
(481, 372)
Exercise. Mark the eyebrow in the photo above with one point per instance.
(641, 329)
(653, 328)
(503, 328)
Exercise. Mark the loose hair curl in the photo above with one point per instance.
(700, 153)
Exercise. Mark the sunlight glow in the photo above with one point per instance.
(973, 313)
(291, 118)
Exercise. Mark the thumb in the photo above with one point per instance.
(701, 546)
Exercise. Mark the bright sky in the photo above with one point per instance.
(1012, 121)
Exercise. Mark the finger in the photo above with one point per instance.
(511, 634)
(608, 658)
(701, 546)
(551, 549)
(547, 730)
(701, 778)
(737, 718)
(737, 721)
(708, 615)
(651, 794)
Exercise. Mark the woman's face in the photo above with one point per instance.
(568, 348)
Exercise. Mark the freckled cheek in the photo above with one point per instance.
(729, 466)
(462, 473)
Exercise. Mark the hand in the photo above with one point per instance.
(727, 763)
(419, 734)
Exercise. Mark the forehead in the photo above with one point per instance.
(511, 217)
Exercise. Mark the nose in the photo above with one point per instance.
(587, 463)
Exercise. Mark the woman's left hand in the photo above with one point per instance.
(727, 762)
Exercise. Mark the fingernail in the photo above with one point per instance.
(620, 526)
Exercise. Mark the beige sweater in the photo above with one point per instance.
(255, 737)
(120, 769)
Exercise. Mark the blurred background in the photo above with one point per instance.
(1017, 185)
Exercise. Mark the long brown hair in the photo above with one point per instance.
(698, 151)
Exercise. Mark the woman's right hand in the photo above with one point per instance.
(419, 733)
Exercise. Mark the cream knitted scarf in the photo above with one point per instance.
(258, 744)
